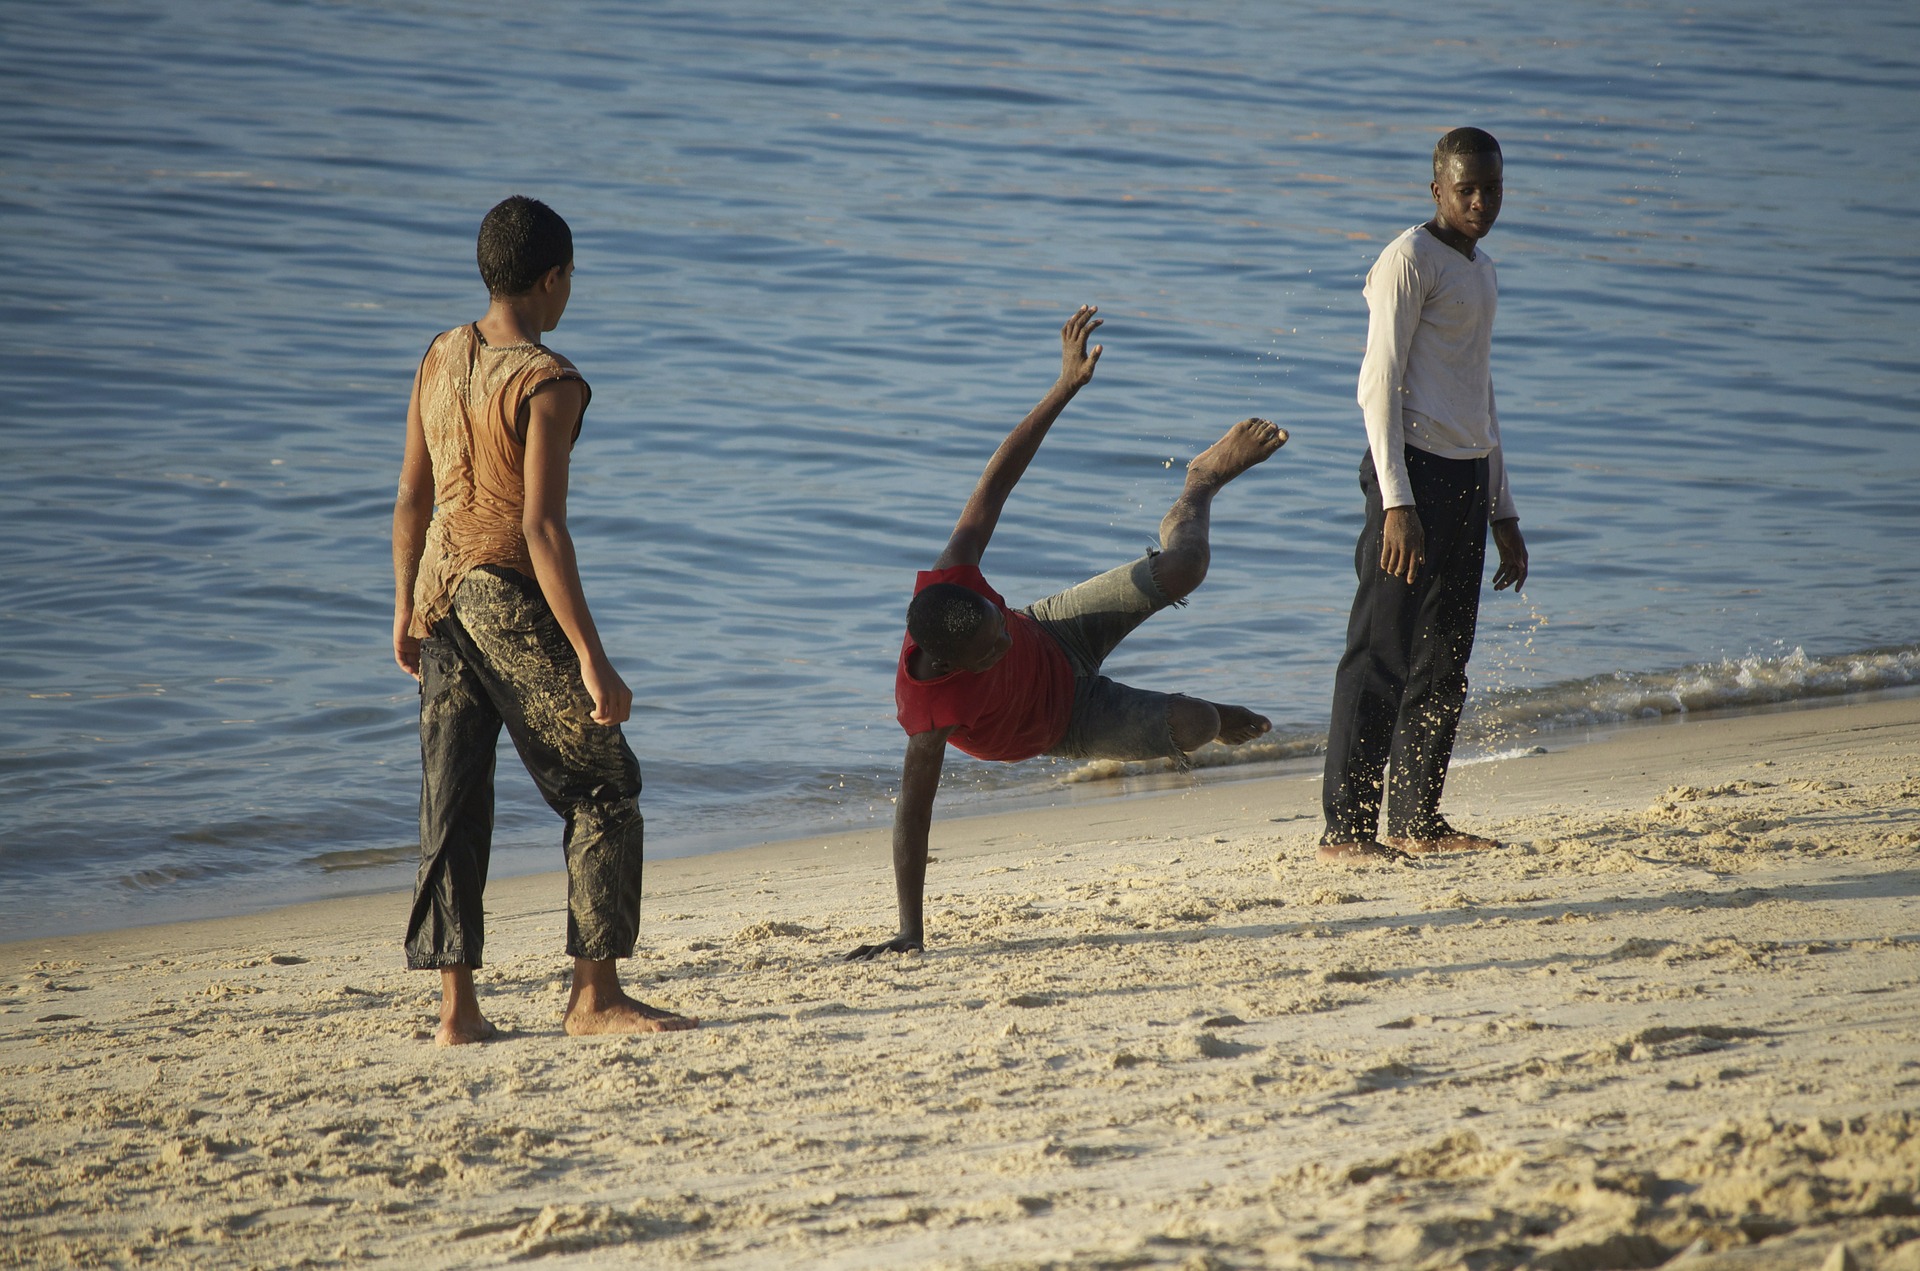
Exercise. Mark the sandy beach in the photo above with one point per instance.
(1675, 1022)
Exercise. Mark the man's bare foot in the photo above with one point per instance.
(624, 1015)
(1447, 839)
(464, 1032)
(1359, 852)
(1248, 442)
(1238, 724)
(898, 944)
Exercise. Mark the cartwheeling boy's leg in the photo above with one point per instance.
(1185, 531)
(1186, 553)
(1113, 720)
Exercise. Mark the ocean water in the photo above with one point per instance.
(823, 253)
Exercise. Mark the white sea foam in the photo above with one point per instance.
(1731, 683)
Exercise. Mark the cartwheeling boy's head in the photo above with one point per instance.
(960, 629)
(522, 241)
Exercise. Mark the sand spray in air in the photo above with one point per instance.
(1500, 664)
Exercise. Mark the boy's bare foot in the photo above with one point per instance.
(1359, 852)
(461, 1022)
(464, 1032)
(1447, 839)
(598, 1005)
(1246, 443)
(624, 1015)
(1238, 724)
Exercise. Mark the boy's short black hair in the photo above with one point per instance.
(943, 618)
(520, 240)
(1463, 141)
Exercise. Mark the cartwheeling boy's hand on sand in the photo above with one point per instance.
(612, 699)
(1076, 359)
(1513, 556)
(899, 944)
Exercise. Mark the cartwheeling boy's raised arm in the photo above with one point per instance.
(979, 518)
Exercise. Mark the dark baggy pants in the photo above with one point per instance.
(501, 657)
(1403, 679)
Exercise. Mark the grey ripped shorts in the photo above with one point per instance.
(1110, 720)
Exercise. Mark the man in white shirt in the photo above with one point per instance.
(1434, 477)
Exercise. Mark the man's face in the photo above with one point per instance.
(990, 643)
(1467, 191)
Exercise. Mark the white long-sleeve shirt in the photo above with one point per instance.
(1427, 378)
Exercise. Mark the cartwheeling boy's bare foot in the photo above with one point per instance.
(1360, 852)
(1248, 442)
(1238, 724)
(598, 1005)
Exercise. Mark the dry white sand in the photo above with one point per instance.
(1678, 1020)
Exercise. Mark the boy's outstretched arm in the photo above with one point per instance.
(1009, 463)
(412, 511)
(912, 818)
(552, 416)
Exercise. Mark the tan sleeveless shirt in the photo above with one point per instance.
(472, 403)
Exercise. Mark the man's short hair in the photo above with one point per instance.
(944, 617)
(1463, 141)
(520, 240)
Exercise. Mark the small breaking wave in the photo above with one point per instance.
(1497, 722)
(1728, 684)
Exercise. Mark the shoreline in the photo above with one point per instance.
(1681, 1011)
(1066, 792)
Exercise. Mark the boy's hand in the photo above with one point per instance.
(1513, 556)
(406, 648)
(1076, 359)
(612, 699)
(1403, 544)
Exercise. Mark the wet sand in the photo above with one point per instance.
(1676, 1021)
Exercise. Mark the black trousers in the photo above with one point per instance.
(501, 658)
(1403, 679)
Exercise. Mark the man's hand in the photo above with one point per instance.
(612, 699)
(899, 944)
(1076, 359)
(1513, 556)
(1403, 546)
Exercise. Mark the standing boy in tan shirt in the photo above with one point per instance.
(490, 617)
